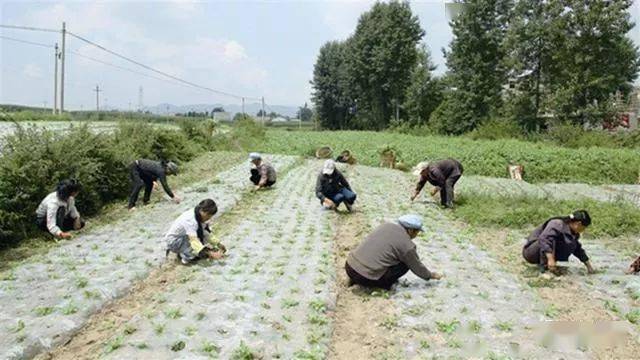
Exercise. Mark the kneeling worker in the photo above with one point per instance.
(333, 189)
(262, 174)
(190, 237)
(57, 213)
(387, 254)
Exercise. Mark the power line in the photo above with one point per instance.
(157, 71)
(26, 42)
(16, 27)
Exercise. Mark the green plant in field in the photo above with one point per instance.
(390, 322)
(314, 354)
(243, 352)
(173, 313)
(142, 346)
(81, 282)
(475, 326)
(178, 346)
(424, 345)
(454, 343)
(159, 328)
(19, 326)
(633, 316)
(129, 329)
(504, 326)
(114, 344)
(611, 306)
(448, 327)
(69, 309)
(210, 348)
(317, 319)
(551, 311)
(289, 303)
(91, 294)
(200, 316)
(43, 310)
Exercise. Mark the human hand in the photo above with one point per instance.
(176, 199)
(132, 209)
(65, 235)
(437, 276)
(329, 203)
(216, 255)
(155, 185)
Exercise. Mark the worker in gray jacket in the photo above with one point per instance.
(387, 254)
(263, 174)
(144, 173)
(556, 240)
(57, 213)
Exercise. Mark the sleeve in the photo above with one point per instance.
(52, 224)
(192, 232)
(423, 180)
(580, 253)
(547, 239)
(264, 173)
(319, 193)
(73, 211)
(165, 186)
(411, 259)
(344, 182)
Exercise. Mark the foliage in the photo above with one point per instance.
(304, 113)
(543, 162)
(330, 94)
(244, 135)
(495, 129)
(99, 161)
(522, 212)
(424, 93)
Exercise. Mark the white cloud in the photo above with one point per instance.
(233, 51)
(32, 71)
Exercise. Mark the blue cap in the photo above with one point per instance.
(411, 221)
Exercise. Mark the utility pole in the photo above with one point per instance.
(397, 111)
(263, 114)
(55, 81)
(140, 99)
(97, 90)
(243, 107)
(62, 57)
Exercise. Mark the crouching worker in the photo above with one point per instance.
(634, 267)
(190, 237)
(443, 175)
(556, 240)
(387, 254)
(262, 174)
(333, 189)
(57, 213)
(144, 173)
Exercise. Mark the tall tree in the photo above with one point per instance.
(330, 96)
(381, 55)
(476, 66)
(304, 113)
(424, 93)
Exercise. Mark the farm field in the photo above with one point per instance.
(281, 293)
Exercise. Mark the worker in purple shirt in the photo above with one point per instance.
(442, 174)
(556, 240)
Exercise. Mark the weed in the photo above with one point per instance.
(69, 309)
(243, 352)
(43, 310)
(114, 344)
(448, 327)
(178, 346)
(173, 314)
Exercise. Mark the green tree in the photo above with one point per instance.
(424, 93)
(381, 56)
(476, 64)
(304, 113)
(330, 94)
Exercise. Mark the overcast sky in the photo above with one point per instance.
(249, 48)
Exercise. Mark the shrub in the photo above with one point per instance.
(33, 160)
(497, 129)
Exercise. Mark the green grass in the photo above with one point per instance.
(448, 327)
(543, 162)
(243, 352)
(520, 212)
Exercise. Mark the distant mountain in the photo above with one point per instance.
(251, 109)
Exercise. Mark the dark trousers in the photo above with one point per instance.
(533, 255)
(343, 195)
(255, 178)
(64, 222)
(446, 191)
(389, 278)
(139, 181)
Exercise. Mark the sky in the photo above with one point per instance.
(246, 48)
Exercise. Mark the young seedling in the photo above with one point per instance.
(69, 309)
(390, 323)
(81, 282)
(448, 327)
(210, 348)
(475, 327)
(159, 329)
(129, 329)
(43, 310)
(243, 352)
(114, 344)
(504, 326)
(173, 314)
(178, 346)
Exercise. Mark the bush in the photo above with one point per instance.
(497, 129)
(33, 160)
(574, 136)
(542, 162)
(245, 134)
(521, 212)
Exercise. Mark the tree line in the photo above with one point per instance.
(518, 61)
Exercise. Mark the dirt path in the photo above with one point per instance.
(271, 297)
(47, 300)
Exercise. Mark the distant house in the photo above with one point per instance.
(221, 116)
(279, 119)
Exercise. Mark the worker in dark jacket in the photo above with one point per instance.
(634, 267)
(556, 240)
(57, 213)
(144, 173)
(443, 174)
(333, 189)
(387, 254)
